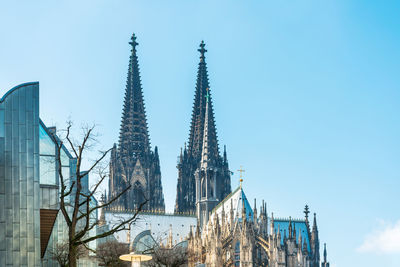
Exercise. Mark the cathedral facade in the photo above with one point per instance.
(133, 164)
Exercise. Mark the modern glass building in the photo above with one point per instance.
(19, 177)
(31, 225)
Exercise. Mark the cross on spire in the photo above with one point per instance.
(241, 170)
(202, 50)
(133, 42)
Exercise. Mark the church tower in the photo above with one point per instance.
(206, 174)
(132, 162)
(190, 158)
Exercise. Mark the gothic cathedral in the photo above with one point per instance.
(228, 231)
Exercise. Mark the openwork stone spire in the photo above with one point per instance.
(202, 147)
(133, 135)
(209, 139)
(198, 112)
(133, 163)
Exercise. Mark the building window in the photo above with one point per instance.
(46, 144)
(47, 169)
(237, 254)
(203, 188)
(47, 162)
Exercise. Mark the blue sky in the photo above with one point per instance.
(306, 96)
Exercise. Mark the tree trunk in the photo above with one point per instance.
(72, 255)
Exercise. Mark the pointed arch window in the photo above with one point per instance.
(203, 187)
(138, 194)
(212, 189)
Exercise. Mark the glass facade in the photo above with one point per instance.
(29, 180)
(49, 187)
(48, 160)
(19, 177)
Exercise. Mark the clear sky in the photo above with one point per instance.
(306, 96)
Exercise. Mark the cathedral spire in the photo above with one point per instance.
(202, 150)
(132, 163)
(208, 156)
(199, 108)
(133, 135)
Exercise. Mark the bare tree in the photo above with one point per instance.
(75, 203)
(169, 257)
(108, 253)
(60, 253)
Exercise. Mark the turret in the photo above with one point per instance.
(272, 223)
(207, 173)
(305, 248)
(102, 220)
(279, 236)
(170, 237)
(315, 243)
(294, 232)
(223, 216)
(243, 212)
(255, 212)
(231, 215)
(300, 240)
(198, 228)
(325, 263)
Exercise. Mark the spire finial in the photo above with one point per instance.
(241, 170)
(133, 42)
(306, 212)
(202, 50)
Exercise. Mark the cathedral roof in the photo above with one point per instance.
(239, 200)
(299, 225)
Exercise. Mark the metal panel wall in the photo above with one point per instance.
(19, 177)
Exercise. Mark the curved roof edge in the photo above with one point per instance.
(15, 88)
